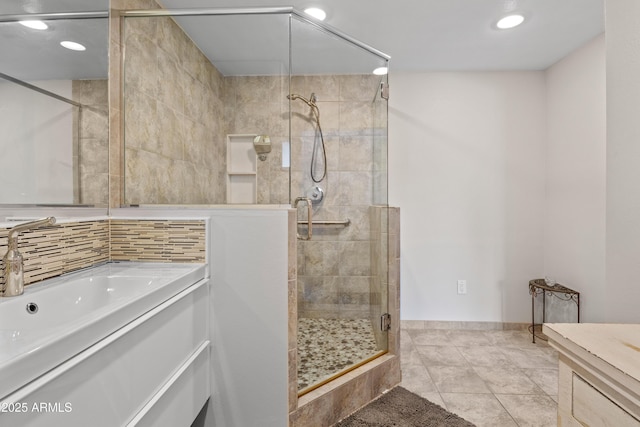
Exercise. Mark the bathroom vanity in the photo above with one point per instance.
(119, 344)
(599, 373)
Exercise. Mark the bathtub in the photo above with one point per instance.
(61, 317)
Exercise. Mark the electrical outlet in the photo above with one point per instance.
(462, 287)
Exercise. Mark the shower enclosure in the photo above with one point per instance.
(338, 152)
(204, 89)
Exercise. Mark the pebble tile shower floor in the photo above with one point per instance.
(327, 346)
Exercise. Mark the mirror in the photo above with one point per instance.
(54, 109)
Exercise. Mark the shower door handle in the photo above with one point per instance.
(309, 215)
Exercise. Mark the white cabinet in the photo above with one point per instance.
(599, 374)
(152, 372)
(241, 169)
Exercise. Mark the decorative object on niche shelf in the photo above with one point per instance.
(262, 145)
(548, 287)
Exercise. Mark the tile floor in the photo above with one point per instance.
(491, 378)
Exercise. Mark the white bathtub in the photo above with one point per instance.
(77, 310)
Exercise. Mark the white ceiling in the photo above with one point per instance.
(33, 55)
(423, 35)
(419, 35)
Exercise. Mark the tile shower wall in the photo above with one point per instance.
(379, 220)
(175, 143)
(93, 144)
(334, 269)
(258, 105)
(63, 248)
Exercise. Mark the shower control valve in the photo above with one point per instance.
(316, 194)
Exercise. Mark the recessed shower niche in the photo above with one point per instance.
(242, 163)
(199, 87)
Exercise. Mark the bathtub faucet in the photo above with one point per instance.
(13, 262)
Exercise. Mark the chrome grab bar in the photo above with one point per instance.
(309, 219)
(344, 223)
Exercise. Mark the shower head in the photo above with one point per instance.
(311, 102)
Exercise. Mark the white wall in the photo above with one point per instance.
(575, 206)
(623, 161)
(36, 130)
(466, 162)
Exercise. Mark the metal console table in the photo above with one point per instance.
(540, 287)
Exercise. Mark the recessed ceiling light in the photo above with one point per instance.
(380, 71)
(36, 25)
(510, 21)
(316, 13)
(73, 45)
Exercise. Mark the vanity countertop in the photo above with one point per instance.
(610, 347)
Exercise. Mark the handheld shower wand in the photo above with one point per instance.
(311, 102)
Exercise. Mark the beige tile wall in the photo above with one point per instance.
(63, 248)
(379, 295)
(258, 105)
(175, 146)
(93, 143)
(334, 269)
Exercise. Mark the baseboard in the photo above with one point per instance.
(476, 326)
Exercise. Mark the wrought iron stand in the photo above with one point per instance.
(540, 287)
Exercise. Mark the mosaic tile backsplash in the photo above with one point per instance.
(63, 248)
(160, 241)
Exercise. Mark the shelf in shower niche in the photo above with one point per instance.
(342, 223)
(242, 163)
(241, 157)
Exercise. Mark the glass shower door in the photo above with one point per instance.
(338, 161)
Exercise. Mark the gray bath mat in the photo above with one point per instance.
(401, 408)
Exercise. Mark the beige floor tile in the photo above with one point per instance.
(410, 357)
(547, 379)
(550, 352)
(466, 338)
(434, 398)
(429, 395)
(485, 355)
(405, 341)
(433, 355)
(454, 379)
(483, 410)
(530, 410)
(416, 378)
(510, 338)
(507, 380)
(531, 358)
(430, 337)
